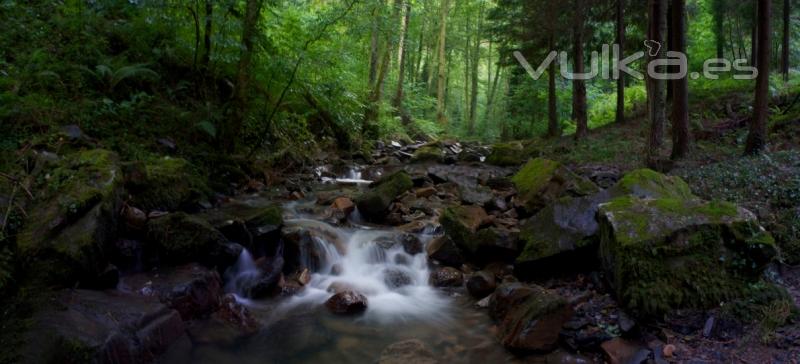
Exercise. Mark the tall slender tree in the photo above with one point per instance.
(243, 73)
(578, 85)
(718, 12)
(403, 50)
(787, 28)
(757, 137)
(656, 97)
(441, 114)
(621, 42)
(680, 87)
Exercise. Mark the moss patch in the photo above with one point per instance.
(646, 183)
(542, 181)
(181, 238)
(374, 203)
(169, 184)
(428, 153)
(507, 154)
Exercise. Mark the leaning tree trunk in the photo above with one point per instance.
(579, 85)
(757, 137)
(621, 79)
(680, 92)
(441, 116)
(657, 31)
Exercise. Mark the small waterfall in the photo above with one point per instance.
(241, 275)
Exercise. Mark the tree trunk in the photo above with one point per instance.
(579, 86)
(621, 42)
(374, 44)
(718, 12)
(441, 116)
(754, 38)
(757, 137)
(373, 111)
(657, 10)
(787, 20)
(243, 74)
(206, 58)
(398, 97)
(680, 93)
(476, 54)
(553, 129)
(490, 97)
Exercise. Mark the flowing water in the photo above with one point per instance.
(370, 260)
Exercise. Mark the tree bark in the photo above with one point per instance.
(680, 94)
(476, 54)
(754, 37)
(757, 137)
(209, 19)
(398, 97)
(368, 129)
(579, 86)
(787, 20)
(621, 43)
(441, 116)
(243, 74)
(553, 129)
(657, 11)
(374, 44)
(718, 12)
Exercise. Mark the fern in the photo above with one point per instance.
(110, 78)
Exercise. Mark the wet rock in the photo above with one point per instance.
(270, 277)
(646, 183)
(405, 352)
(700, 253)
(411, 244)
(563, 226)
(306, 247)
(530, 317)
(541, 182)
(93, 326)
(561, 357)
(396, 278)
(621, 351)
(134, 217)
(475, 194)
(230, 323)
(196, 297)
(425, 192)
(446, 277)
(374, 203)
(67, 229)
(445, 251)
(481, 284)
(461, 223)
(347, 303)
(180, 238)
(344, 205)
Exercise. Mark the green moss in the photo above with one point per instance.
(169, 184)
(672, 253)
(181, 238)
(428, 153)
(374, 203)
(507, 154)
(646, 183)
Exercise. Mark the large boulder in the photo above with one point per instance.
(466, 226)
(530, 317)
(101, 327)
(73, 218)
(193, 290)
(256, 224)
(570, 223)
(669, 253)
(168, 184)
(179, 238)
(347, 303)
(374, 203)
(507, 154)
(428, 153)
(541, 182)
(444, 250)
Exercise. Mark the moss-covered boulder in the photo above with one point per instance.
(670, 253)
(179, 238)
(374, 203)
(428, 153)
(647, 183)
(566, 225)
(73, 217)
(168, 184)
(507, 154)
(543, 181)
(256, 224)
(530, 317)
(466, 226)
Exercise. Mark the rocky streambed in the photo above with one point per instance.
(423, 253)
